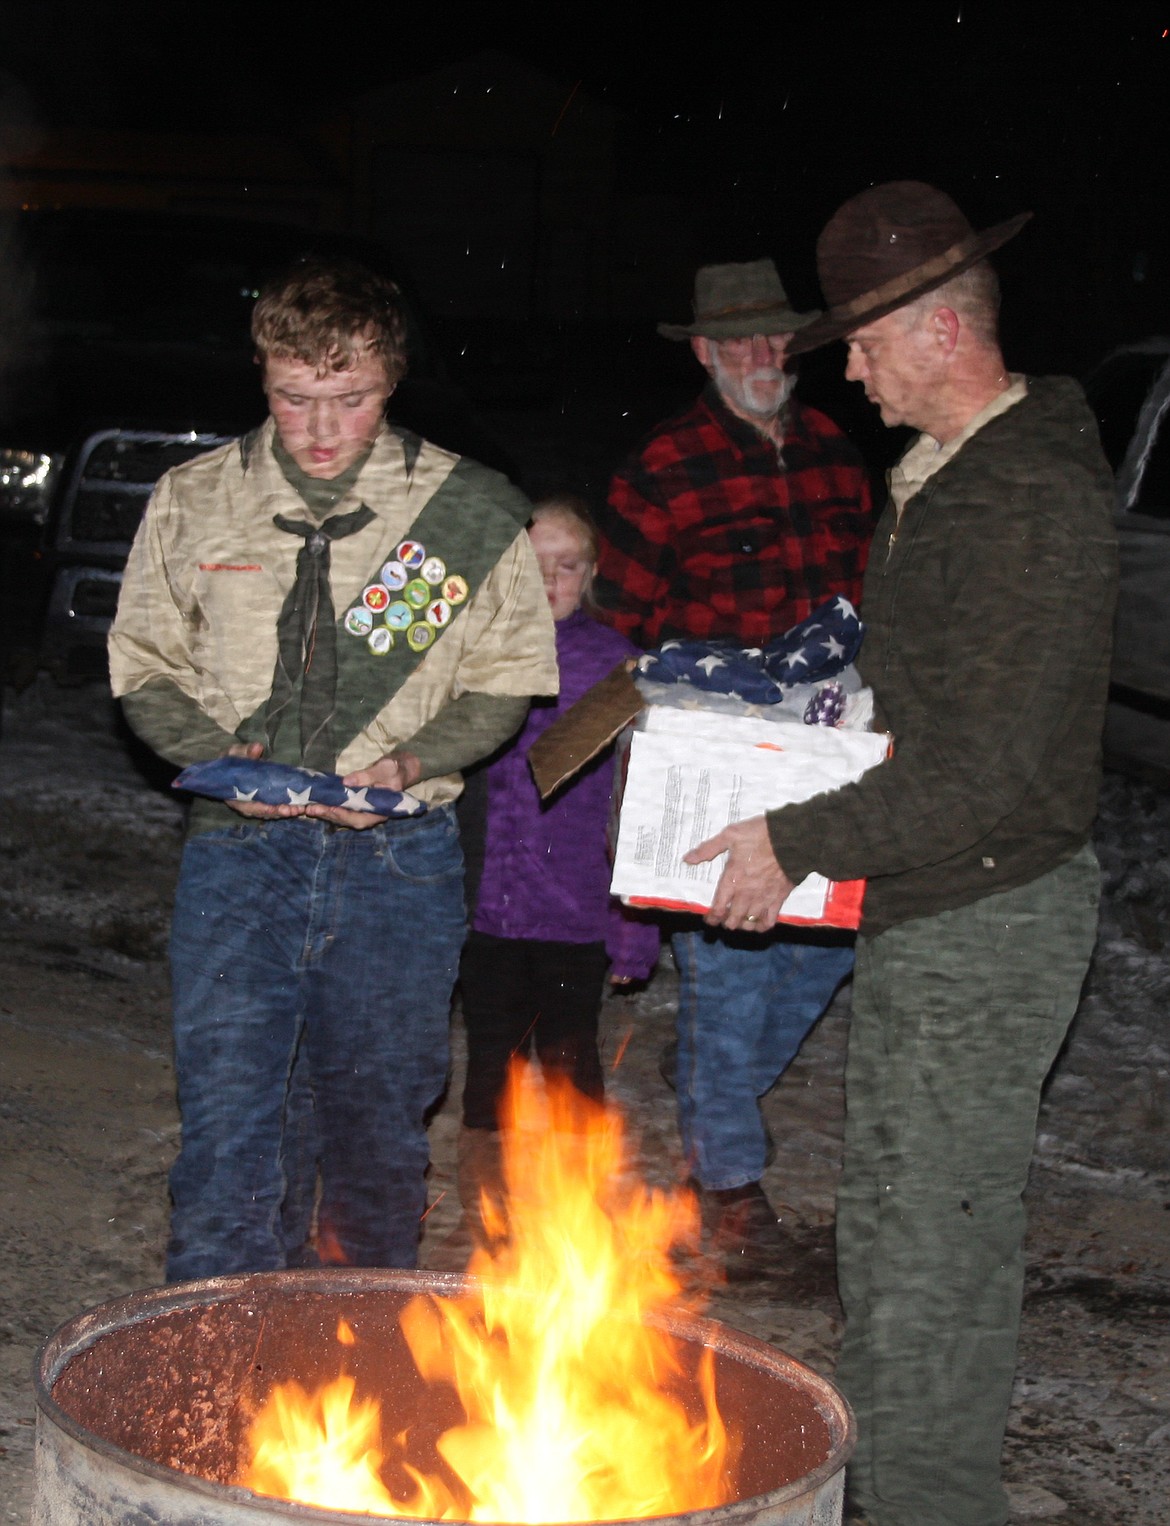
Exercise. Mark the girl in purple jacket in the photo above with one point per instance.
(545, 928)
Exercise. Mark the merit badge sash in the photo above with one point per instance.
(413, 597)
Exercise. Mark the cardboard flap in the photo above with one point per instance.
(585, 728)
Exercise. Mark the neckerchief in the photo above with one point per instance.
(307, 637)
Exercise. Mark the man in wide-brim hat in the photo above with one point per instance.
(735, 520)
(741, 335)
(988, 604)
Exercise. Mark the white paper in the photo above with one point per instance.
(692, 773)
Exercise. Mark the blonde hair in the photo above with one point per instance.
(572, 511)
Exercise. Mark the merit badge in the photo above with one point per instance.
(395, 576)
(398, 616)
(376, 597)
(412, 554)
(416, 593)
(359, 621)
(433, 570)
(419, 637)
(455, 589)
(438, 613)
(380, 641)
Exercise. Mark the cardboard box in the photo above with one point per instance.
(585, 728)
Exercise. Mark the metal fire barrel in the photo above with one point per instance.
(143, 1404)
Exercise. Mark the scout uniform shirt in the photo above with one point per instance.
(209, 573)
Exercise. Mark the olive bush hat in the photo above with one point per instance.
(888, 246)
(736, 301)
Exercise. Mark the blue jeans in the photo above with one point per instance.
(345, 944)
(745, 1004)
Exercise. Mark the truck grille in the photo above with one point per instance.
(111, 483)
(104, 500)
(100, 517)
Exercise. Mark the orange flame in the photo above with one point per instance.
(319, 1448)
(575, 1402)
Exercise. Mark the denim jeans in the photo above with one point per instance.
(745, 1004)
(957, 1018)
(293, 935)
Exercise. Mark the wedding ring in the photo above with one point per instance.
(751, 918)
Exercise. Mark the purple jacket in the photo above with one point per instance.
(546, 871)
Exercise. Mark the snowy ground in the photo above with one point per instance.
(88, 849)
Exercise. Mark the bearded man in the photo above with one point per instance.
(989, 610)
(738, 519)
(337, 595)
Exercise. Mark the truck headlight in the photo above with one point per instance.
(26, 483)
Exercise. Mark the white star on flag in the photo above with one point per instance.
(246, 794)
(710, 663)
(355, 799)
(794, 657)
(834, 647)
(300, 796)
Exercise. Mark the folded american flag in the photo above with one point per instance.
(281, 784)
(816, 649)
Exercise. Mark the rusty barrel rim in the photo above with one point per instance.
(83, 1330)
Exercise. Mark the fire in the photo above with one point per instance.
(572, 1395)
(320, 1447)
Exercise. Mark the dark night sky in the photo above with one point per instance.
(769, 115)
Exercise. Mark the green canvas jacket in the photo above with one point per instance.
(989, 613)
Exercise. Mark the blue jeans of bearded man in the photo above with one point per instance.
(745, 1004)
(292, 938)
(956, 1020)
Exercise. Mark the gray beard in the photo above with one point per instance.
(772, 426)
(737, 396)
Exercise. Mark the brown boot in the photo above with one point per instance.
(744, 1232)
(479, 1172)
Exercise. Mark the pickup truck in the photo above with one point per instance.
(1130, 394)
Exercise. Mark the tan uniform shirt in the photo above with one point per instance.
(209, 573)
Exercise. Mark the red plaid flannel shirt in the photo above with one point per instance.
(706, 535)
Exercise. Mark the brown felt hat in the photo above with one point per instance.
(888, 246)
(736, 301)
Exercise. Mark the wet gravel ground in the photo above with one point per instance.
(88, 852)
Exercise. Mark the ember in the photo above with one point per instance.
(572, 1395)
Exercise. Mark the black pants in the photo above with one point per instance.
(517, 992)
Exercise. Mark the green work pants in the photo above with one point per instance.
(957, 1019)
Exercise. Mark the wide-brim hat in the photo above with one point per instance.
(736, 301)
(888, 246)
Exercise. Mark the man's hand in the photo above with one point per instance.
(340, 816)
(397, 770)
(753, 886)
